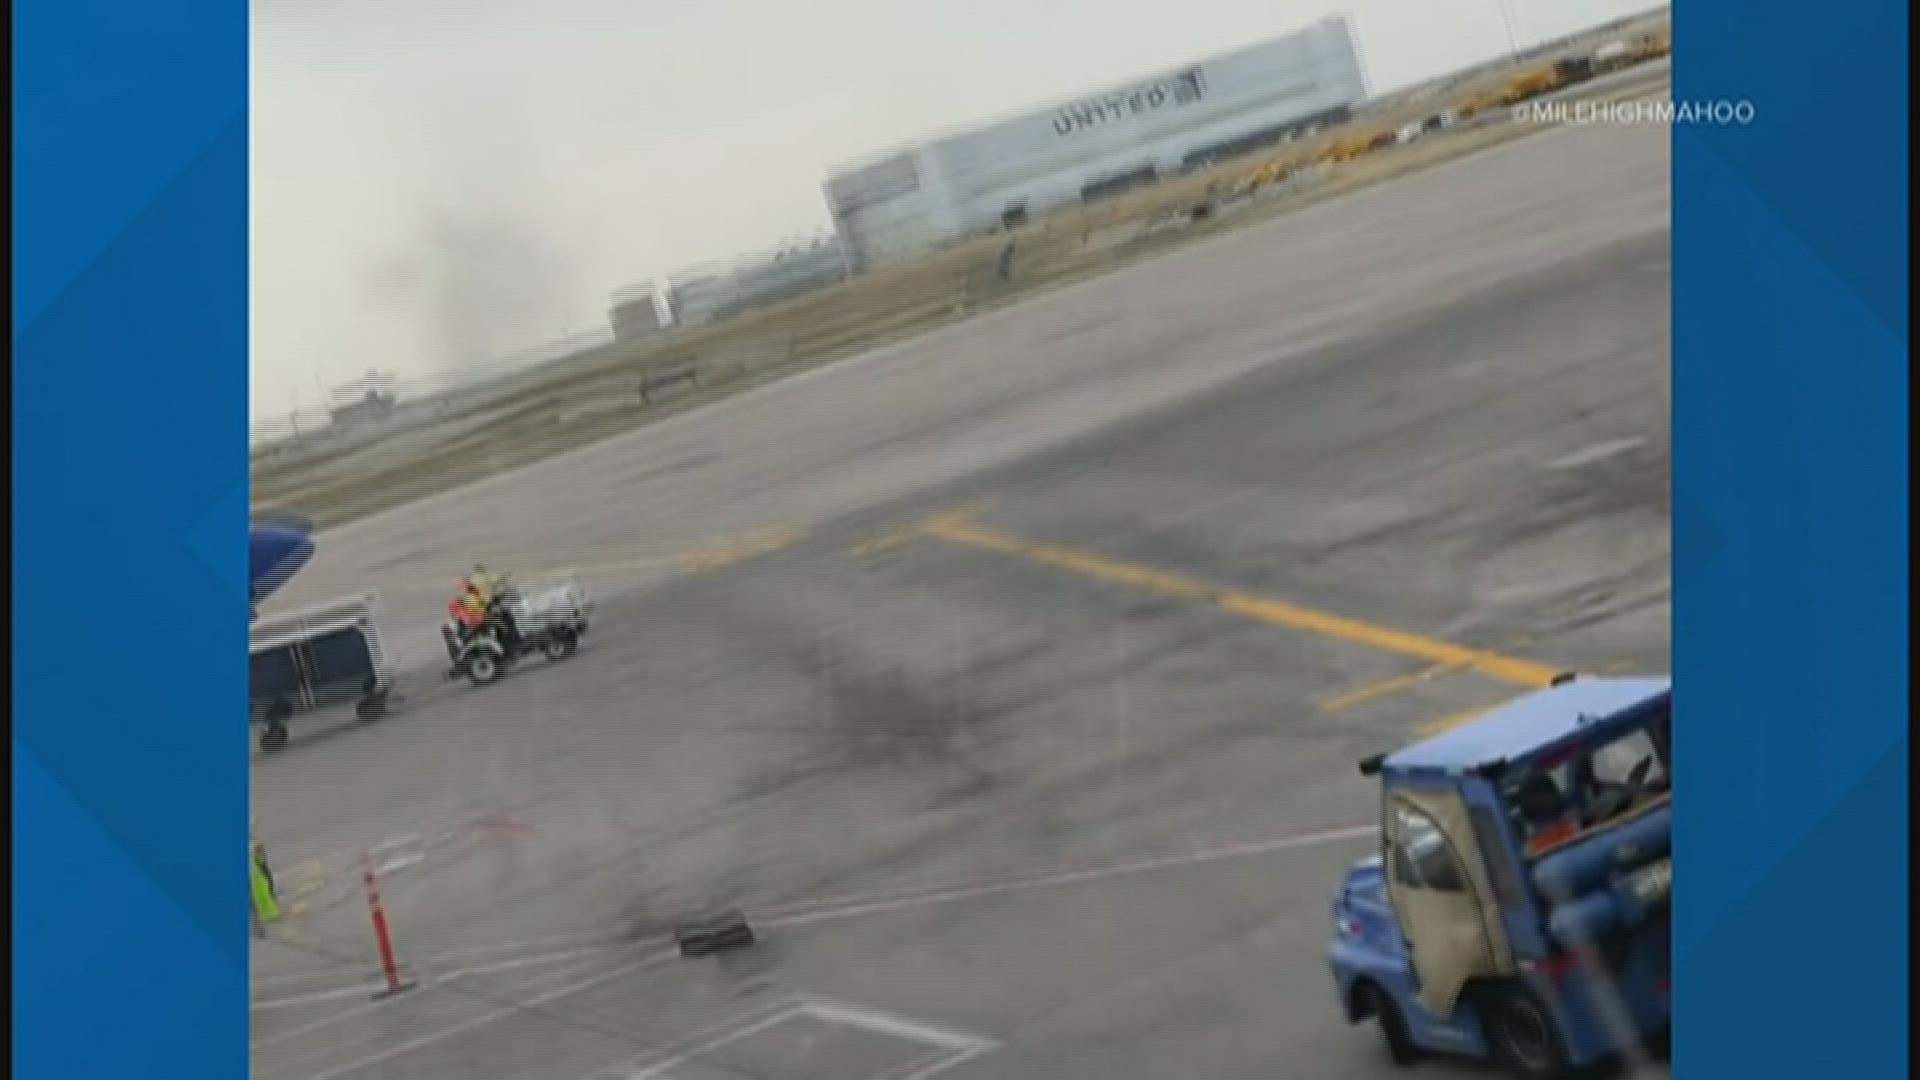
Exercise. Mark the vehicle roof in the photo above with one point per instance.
(1527, 724)
(281, 637)
(279, 631)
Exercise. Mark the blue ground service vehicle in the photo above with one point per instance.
(1519, 908)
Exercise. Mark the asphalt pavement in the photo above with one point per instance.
(1011, 681)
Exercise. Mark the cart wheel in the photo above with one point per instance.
(1376, 1003)
(482, 668)
(561, 644)
(1523, 1034)
(371, 708)
(1660, 1045)
(274, 739)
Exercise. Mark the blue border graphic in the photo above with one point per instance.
(1790, 546)
(129, 435)
(129, 514)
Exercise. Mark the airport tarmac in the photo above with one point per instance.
(1021, 709)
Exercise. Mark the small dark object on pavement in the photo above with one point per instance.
(727, 930)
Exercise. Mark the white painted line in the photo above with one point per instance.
(899, 1027)
(949, 1047)
(786, 1004)
(1595, 453)
(400, 862)
(554, 941)
(317, 997)
(483, 1019)
(653, 1072)
(518, 963)
(851, 907)
(303, 1059)
(303, 978)
(321, 997)
(254, 1046)
(917, 1066)
(952, 1061)
(278, 1037)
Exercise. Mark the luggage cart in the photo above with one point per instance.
(317, 658)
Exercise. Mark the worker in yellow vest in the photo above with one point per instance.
(266, 906)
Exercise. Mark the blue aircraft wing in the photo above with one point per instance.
(279, 548)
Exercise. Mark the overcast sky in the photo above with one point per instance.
(441, 182)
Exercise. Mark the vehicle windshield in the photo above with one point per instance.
(1591, 785)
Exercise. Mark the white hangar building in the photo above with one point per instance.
(910, 200)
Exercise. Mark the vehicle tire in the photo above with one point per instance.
(274, 739)
(561, 643)
(1522, 1034)
(483, 667)
(1380, 1005)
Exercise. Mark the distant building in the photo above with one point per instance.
(635, 314)
(700, 295)
(364, 400)
(909, 201)
(695, 293)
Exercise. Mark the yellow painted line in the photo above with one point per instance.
(968, 511)
(1442, 724)
(601, 566)
(887, 541)
(1360, 695)
(687, 556)
(1506, 669)
(1446, 723)
(731, 552)
(1366, 692)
